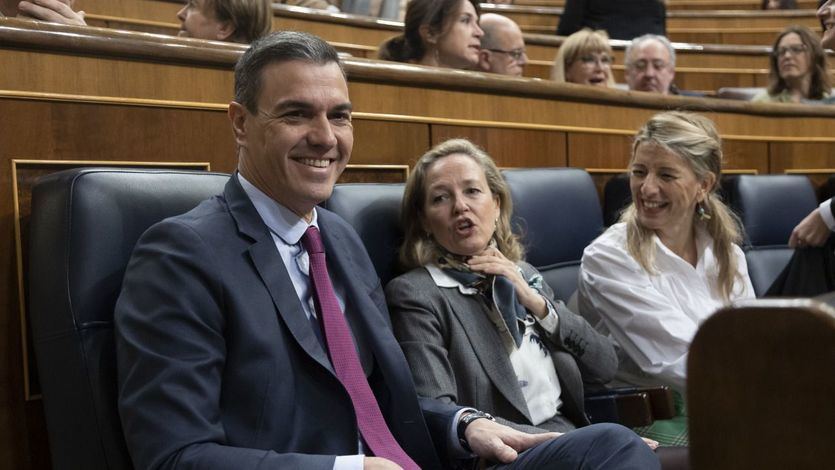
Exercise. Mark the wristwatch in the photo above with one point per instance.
(465, 421)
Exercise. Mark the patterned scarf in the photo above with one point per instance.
(497, 288)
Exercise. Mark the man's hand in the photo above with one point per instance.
(379, 463)
(56, 11)
(499, 443)
(811, 231)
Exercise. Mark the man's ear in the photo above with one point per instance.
(484, 60)
(238, 114)
(225, 31)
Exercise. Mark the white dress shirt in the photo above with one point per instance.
(287, 229)
(652, 318)
(826, 213)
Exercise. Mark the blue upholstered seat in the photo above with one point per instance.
(84, 225)
(557, 212)
(770, 206)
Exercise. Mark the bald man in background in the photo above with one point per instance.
(502, 46)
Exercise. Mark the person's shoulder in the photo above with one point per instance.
(412, 280)
(614, 236)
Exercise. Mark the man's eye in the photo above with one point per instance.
(639, 173)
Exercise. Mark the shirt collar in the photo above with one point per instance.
(283, 222)
(442, 279)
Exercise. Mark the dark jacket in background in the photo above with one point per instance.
(622, 19)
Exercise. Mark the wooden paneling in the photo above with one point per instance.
(511, 148)
(787, 156)
(152, 10)
(88, 94)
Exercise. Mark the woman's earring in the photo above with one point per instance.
(701, 212)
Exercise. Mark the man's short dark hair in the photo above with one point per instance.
(282, 46)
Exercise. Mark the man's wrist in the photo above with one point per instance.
(466, 419)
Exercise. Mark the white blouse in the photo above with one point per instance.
(652, 318)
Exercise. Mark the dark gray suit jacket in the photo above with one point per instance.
(456, 353)
(218, 364)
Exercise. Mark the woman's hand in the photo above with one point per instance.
(492, 261)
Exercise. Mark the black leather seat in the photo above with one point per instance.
(374, 212)
(84, 225)
(770, 206)
(557, 212)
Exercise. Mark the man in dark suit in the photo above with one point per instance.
(231, 340)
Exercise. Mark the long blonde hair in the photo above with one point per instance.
(419, 248)
(693, 138)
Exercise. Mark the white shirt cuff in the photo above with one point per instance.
(456, 450)
(826, 213)
(551, 320)
(349, 462)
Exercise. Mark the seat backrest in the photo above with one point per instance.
(373, 209)
(616, 196)
(84, 225)
(760, 387)
(770, 206)
(557, 213)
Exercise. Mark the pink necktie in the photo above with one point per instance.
(345, 361)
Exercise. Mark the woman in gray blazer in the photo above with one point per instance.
(478, 325)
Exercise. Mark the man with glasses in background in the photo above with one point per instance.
(650, 65)
(502, 46)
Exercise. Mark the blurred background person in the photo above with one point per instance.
(779, 5)
(502, 46)
(54, 11)
(241, 21)
(621, 19)
(585, 58)
(672, 260)
(441, 33)
(797, 68)
(650, 65)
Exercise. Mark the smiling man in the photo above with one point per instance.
(252, 331)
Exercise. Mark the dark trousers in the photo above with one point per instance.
(595, 447)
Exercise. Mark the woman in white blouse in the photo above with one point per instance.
(671, 261)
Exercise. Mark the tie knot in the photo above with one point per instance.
(312, 241)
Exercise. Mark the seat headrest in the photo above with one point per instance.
(373, 209)
(556, 211)
(84, 225)
(770, 206)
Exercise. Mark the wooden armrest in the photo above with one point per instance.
(628, 409)
(630, 406)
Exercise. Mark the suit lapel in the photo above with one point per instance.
(271, 269)
(475, 320)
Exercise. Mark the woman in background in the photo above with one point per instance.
(441, 33)
(585, 58)
(797, 68)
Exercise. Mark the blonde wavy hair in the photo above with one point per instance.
(581, 43)
(419, 248)
(693, 138)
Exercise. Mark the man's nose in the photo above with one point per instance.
(321, 132)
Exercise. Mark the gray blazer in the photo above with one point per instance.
(456, 353)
